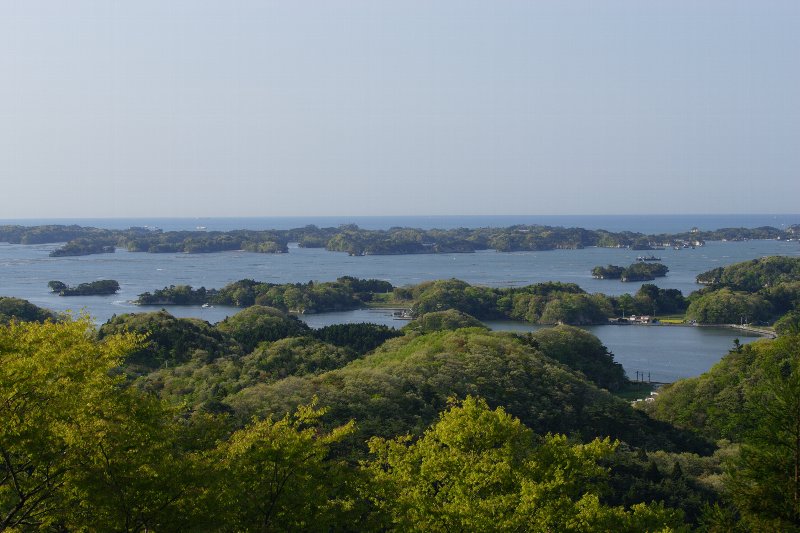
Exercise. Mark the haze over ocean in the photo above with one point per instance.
(649, 224)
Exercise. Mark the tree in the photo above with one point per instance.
(582, 351)
(22, 310)
(79, 451)
(727, 307)
(57, 286)
(479, 469)
(765, 478)
(49, 374)
(277, 476)
(258, 324)
(450, 319)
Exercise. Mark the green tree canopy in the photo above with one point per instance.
(23, 311)
(579, 349)
(478, 469)
(169, 340)
(261, 324)
(443, 320)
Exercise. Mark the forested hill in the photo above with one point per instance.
(356, 241)
(172, 424)
(757, 291)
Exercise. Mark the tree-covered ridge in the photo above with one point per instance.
(752, 396)
(754, 275)
(357, 241)
(233, 366)
(87, 240)
(345, 293)
(757, 291)
(21, 310)
(81, 451)
(368, 436)
(543, 303)
(717, 402)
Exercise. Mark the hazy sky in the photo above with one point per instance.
(258, 108)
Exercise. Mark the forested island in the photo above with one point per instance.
(756, 292)
(543, 303)
(262, 423)
(103, 287)
(635, 272)
(357, 241)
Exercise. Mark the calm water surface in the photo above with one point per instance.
(664, 353)
(26, 270)
(667, 353)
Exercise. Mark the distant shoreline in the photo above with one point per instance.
(647, 223)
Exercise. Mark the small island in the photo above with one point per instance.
(103, 287)
(636, 272)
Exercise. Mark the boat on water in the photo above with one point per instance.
(643, 258)
(403, 314)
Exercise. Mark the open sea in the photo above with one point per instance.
(667, 353)
(648, 224)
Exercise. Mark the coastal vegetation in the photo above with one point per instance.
(758, 291)
(342, 294)
(17, 309)
(751, 397)
(103, 287)
(542, 303)
(635, 272)
(353, 240)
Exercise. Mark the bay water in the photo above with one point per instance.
(667, 353)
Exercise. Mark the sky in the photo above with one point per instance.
(191, 108)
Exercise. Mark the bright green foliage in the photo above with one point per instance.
(276, 476)
(42, 389)
(261, 324)
(132, 473)
(578, 309)
(788, 324)
(727, 307)
(170, 341)
(441, 320)
(77, 449)
(295, 356)
(441, 295)
(403, 385)
(580, 350)
(479, 470)
(49, 374)
(716, 403)
(754, 275)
